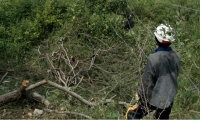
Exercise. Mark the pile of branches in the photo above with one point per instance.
(62, 78)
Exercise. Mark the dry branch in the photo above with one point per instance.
(30, 87)
(80, 98)
(37, 97)
(71, 93)
(2, 79)
(55, 72)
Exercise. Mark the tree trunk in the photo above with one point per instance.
(14, 95)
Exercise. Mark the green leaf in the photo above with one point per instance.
(195, 99)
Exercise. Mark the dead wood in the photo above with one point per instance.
(71, 93)
(25, 90)
(80, 98)
(33, 86)
(37, 97)
(33, 95)
(12, 96)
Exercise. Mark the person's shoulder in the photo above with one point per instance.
(177, 53)
(154, 57)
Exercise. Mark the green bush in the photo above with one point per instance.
(90, 27)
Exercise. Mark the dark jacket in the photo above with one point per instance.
(159, 81)
(129, 24)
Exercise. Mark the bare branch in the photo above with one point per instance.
(68, 60)
(195, 64)
(79, 82)
(36, 85)
(81, 98)
(55, 71)
(39, 50)
(2, 79)
(71, 93)
(93, 58)
(39, 98)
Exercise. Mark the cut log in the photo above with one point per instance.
(14, 95)
(37, 97)
(26, 90)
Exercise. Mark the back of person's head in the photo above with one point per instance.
(164, 35)
(129, 16)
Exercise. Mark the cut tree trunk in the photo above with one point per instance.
(25, 90)
(12, 96)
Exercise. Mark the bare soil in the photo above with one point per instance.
(23, 109)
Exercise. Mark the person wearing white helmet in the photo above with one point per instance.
(159, 85)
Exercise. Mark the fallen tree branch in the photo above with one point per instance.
(30, 87)
(12, 96)
(37, 97)
(71, 93)
(80, 98)
(67, 112)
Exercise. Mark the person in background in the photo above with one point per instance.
(129, 23)
(159, 85)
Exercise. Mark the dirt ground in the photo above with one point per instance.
(16, 113)
(22, 109)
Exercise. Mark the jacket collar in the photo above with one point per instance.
(162, 49)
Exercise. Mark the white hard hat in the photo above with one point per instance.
(164, 34)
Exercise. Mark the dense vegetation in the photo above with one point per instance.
(31, 29)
